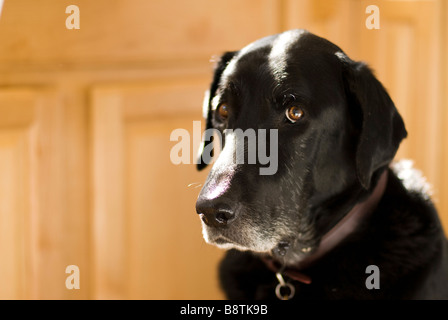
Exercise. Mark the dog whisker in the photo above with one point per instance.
(194, 185)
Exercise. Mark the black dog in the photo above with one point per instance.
(336, 220)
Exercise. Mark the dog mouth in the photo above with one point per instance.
(226, 244)
(246, 239)
(220, 240)
(287, 249)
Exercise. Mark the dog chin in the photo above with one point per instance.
(288, 252)
(223, 242)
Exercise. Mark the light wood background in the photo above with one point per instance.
(86, 115)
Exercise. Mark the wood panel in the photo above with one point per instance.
(148, 241)
(36, 243)
(131, 30)
(15, 203)
(329, 19)
(406, 55)
(108, 199)
(443, 84)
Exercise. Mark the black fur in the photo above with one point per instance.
(327, 162)
(403, 238)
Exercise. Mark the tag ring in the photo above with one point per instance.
(288, 296)
(283, 284)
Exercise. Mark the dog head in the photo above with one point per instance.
(327, 122)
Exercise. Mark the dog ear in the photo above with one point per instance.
(207, 138)
(381, 127)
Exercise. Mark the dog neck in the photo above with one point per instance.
(346, 226)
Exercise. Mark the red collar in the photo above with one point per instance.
(336, 235)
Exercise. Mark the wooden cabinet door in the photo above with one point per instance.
(86, 175)
(147, 236)
(42, 218)
(16, 141)
(406, 54)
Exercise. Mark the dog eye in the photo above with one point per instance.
(223, 111)
(294, 113)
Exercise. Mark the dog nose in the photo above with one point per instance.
(215, 212)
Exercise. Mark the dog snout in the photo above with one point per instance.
(215, 212)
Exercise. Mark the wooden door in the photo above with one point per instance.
(86, 115)
(43, 225)
(147, 236)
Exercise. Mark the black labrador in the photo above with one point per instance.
(336, 220)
